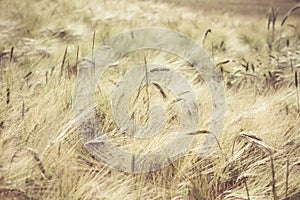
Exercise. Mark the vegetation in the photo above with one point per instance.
(41, 46)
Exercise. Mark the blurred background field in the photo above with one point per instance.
(241, 7)
(254, 44)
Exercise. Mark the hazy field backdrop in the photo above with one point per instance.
(254, 44)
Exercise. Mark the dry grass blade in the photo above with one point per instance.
(23, 109)
(224, 62)
(200, 132)
(63, 62)
(93, 45)
(26, 77)
(297, 92)
(205, 35)
(147, 84)
(77, 58)
(296, 79)
(7, 95)
(46, 77)
(11, 54)
(275, 197)
(247, 189)
(252, 137)
(269, 20)
(289, 13)
(287, 178)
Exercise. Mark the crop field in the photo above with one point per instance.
(255, 47)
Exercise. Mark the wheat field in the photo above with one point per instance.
(255, 46)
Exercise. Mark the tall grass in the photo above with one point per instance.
(41, 155)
